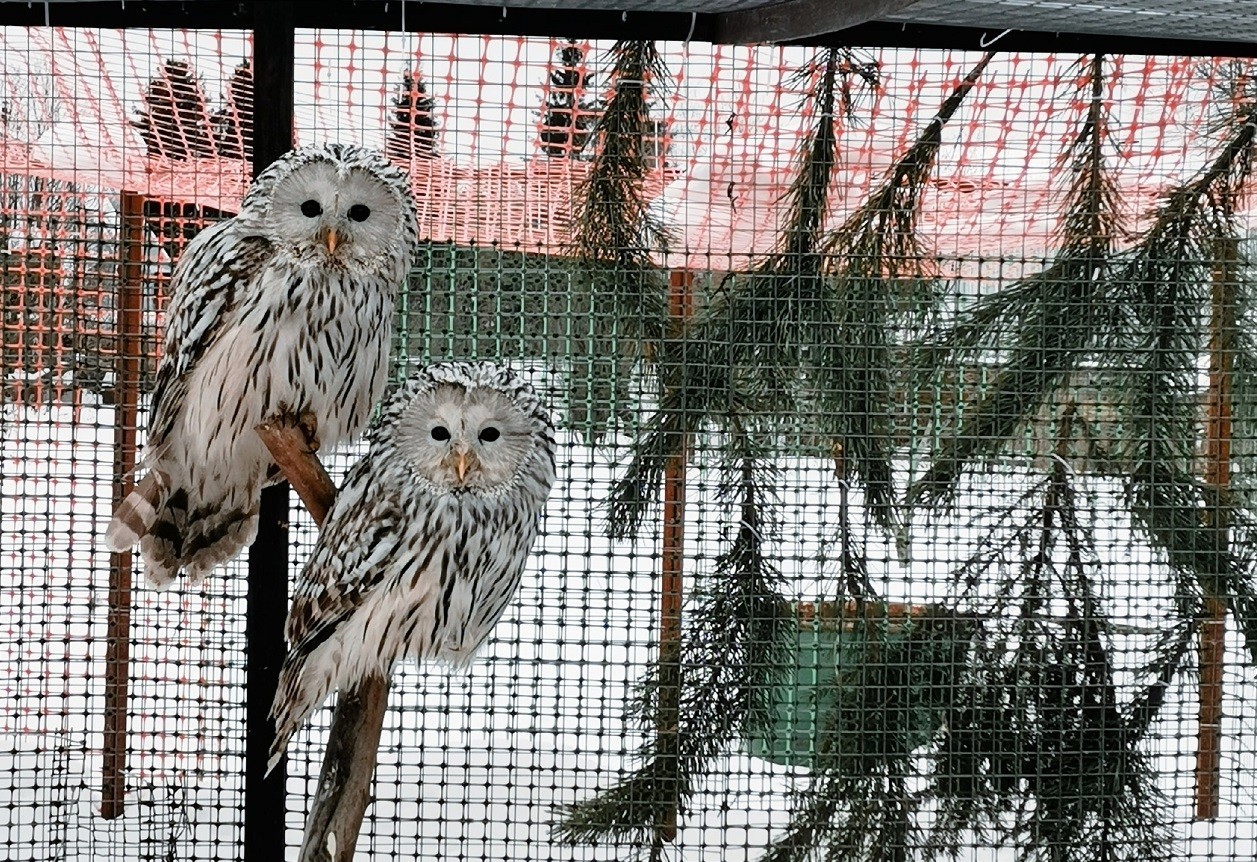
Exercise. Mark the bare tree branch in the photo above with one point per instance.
(353, 741)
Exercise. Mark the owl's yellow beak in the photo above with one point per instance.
(332, 240)
(463, 459)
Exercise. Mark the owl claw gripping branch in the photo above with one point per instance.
(286, 307)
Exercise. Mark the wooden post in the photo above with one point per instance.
(129, 365)
(672, 585)
(344, 792)
(266, 606)
(1217, 474)
(336, 812)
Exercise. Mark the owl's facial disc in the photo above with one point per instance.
(346, 216)
(467, 440)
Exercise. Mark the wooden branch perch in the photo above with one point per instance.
(344, 790)
(299, 464)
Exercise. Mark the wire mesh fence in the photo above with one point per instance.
(907, 436)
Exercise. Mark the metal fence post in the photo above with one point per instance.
(264, 796)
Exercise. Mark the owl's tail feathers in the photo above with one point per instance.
(303, 686)
(178, 533)
(135, 515)
(214, 537)
(162, 545)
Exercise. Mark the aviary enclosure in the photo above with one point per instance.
(908, 419)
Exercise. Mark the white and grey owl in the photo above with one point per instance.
(427, 540)
(285, 308)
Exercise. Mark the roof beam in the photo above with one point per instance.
(794, 20)
(806, 22)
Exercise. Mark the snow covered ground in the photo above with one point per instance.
(471, 766)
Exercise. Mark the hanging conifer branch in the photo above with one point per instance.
(614, 232)
(778, 308)
(1057, 316)
(615, 236)
(877, 257)
(890, 696)
(1163, 282)
(1042, 747)
(788, 340)
(733, 653)
(741, 355)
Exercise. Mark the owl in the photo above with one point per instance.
(285, 309)
(427, 540)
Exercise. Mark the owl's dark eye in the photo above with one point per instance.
(488, 435)
(311, 209)
(359, 212)
(440, 432)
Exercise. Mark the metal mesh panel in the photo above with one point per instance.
(905, 448)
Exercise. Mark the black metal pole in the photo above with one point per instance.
(265, 796)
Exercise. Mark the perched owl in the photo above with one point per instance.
(285, 308)
(427, 540)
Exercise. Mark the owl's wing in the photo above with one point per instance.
(356, 550)
(205, 292)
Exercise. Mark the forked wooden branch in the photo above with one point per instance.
(353, 741)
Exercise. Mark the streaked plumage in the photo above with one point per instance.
(287, 307)
(428, 538)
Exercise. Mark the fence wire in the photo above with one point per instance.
(907, 434)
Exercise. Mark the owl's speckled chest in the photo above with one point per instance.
(484, 546)
(310, 340)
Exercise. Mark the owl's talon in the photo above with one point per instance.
(309, 425)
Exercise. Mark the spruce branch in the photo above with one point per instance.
(881, 236)
(1042, 751)
(1057, 316)
(798, 341)
(744, 348)
(614, 236)
(777, 313)
(889, 698)
(1163, 282)
(731, 656)
(700, 392)
(873, 254)
(615, 232)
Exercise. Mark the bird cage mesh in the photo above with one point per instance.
(906, 448)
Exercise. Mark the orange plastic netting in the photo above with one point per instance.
(732, 118)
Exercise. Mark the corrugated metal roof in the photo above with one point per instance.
(1166, 26)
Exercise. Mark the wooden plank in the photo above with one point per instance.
(130, 359)
(1217, 475)
(672, 579)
